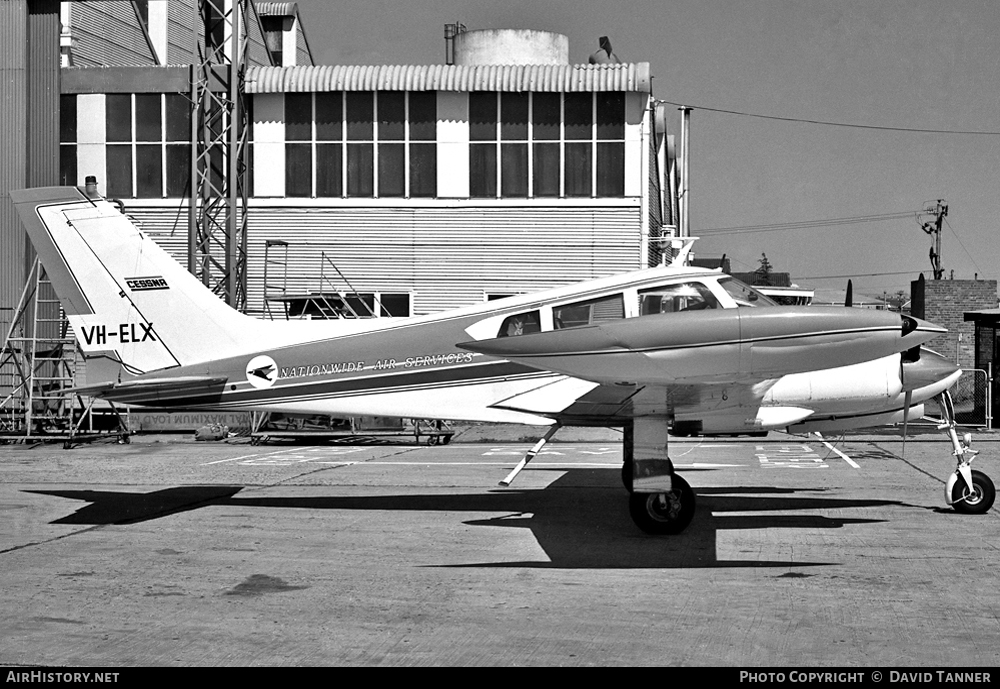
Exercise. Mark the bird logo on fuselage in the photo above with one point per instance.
(262, 371)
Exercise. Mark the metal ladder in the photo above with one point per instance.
(37, 363)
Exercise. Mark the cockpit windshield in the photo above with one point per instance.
(745, 295)
(686, 296)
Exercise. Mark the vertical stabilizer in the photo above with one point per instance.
(125, 297)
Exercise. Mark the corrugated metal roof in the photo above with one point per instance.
(555, 78)
(281, 9)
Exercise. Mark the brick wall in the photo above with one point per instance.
(945, 302)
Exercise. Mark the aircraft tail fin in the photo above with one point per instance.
(124, 296)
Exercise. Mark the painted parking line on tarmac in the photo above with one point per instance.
(839, 453)
(798, 456)
(771, 456)
(293, 455)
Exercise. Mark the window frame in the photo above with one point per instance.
(508, 161)
(139, 156)
(559, 323)
(359, 134)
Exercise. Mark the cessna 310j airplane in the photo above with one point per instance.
(679, 348)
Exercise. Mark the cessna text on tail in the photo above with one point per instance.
(664, 347)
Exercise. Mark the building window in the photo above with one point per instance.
(148, 151)
(67, 141)
(273, 28)
(546, 145)
(361, 144)
(331, 305)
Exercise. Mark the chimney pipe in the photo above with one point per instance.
(450, 31)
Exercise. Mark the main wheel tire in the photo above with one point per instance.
(979, 499)
(627, 475)
(663, 513)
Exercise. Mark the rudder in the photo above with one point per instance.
(124, 296)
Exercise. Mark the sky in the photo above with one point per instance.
(875, 70)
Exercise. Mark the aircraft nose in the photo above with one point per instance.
(921, 327)
(930, 369)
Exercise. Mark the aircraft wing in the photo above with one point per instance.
(702, 408)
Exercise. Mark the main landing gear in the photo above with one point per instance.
(660, 502)
(663, 513)
(968, 491)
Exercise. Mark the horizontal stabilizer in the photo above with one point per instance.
(151, 389)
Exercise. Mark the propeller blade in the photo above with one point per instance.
(849, 299)
(906, 416)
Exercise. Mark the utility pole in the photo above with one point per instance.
(685, 228)
(934, 228)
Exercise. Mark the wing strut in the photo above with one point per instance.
(531, 454)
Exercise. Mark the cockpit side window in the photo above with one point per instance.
(582, 313)
(520, 324)
(687, 296)
(745, 295)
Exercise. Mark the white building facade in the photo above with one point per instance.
(416, 188)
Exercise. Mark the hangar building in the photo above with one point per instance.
(385, 190)
(423, 186)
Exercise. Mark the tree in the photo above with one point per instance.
(763, 273)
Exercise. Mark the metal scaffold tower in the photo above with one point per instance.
(38, 367)
(217, 233)
(36, 363)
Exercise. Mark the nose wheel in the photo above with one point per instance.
(968, 491)
(975, 500)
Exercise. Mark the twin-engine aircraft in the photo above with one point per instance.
(678, 349)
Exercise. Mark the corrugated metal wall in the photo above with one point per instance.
(256, 49)
(182, 38)
(655, 206)
(448, 256)
(107, 33)
(29, 125)
(304, 56)
(13, 162)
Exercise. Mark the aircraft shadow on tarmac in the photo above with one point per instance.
(581, 520)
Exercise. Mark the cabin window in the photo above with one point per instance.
(687, 296)
(582, 313)
(745, 295)
(520, 324)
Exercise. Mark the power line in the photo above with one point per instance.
(808, 224)
(962, 244)
(856, 275)
(835, 124)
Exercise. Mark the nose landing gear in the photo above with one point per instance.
(968, 491)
